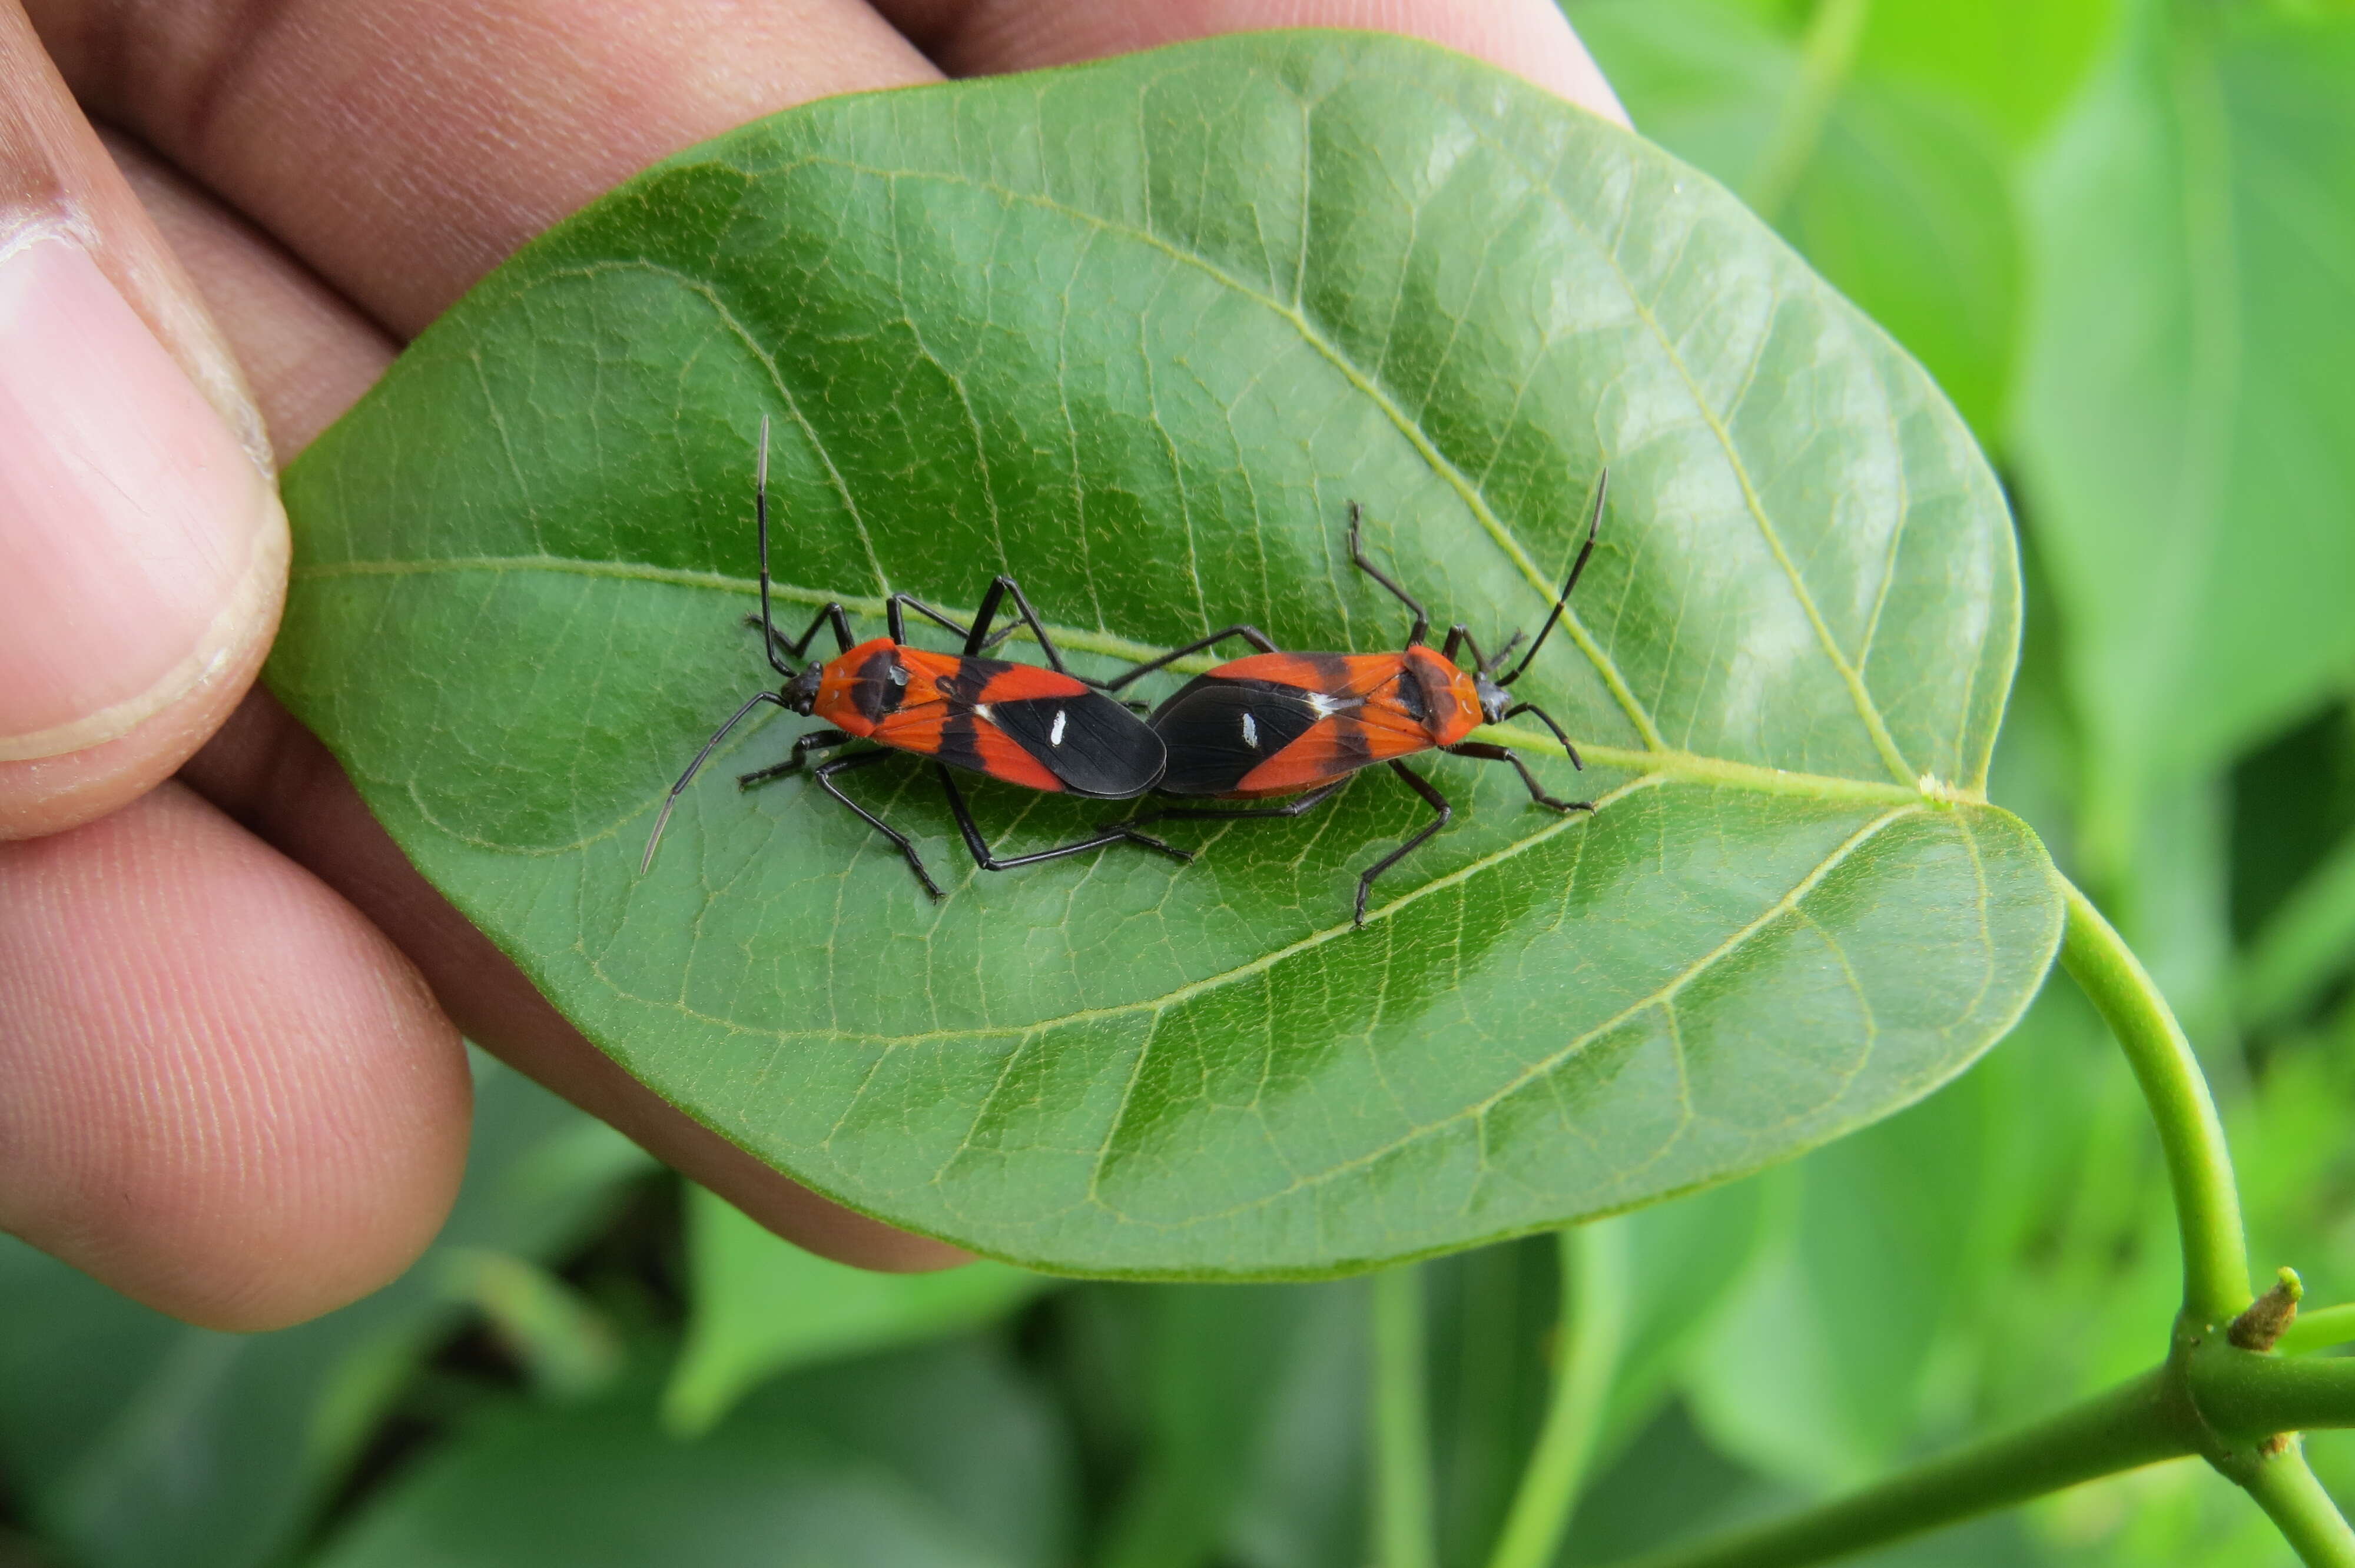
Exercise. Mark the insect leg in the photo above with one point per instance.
(832, 615)
(1460, 636)
(1006, 587)
(1547, 719)
(988, 860)
(671, 800)
(1292, 808)
(1358, 553)
(815, 740)
(824, 773)
(1437, 802)
(1487, 753)
(1251, 634)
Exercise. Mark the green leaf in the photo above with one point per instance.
(2017, 62)
(784, 1482)
(2183, 421)
(1824, 1369)
(1213, 1364)
(762, 1306)
(1900, 195)
(1137, 331)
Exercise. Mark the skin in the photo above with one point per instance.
(231, 1081)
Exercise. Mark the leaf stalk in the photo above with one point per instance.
(2237, 1407)
(1404, 1523)
(2190, 1135)
(1594, 1297)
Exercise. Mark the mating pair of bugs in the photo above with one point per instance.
(1272, 724)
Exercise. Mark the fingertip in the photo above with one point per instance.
(142, 548)
(222, 1093)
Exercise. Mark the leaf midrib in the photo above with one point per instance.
(1663, 760)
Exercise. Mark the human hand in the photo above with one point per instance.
(230, 1078)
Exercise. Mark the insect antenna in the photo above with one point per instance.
(1561, 601)
(671, 800)
(761, 528)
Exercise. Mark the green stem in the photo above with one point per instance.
(2301, 1509)
(1404, 1533)
(1826, 56)
(2246, 1397)
(1595, 1289)
(2318, 1330)
(2199, 1166)
(2135, 1423)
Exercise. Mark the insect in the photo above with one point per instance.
(1301, 725)
(1043, 729)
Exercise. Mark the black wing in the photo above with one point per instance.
(1218, 730)
(1089, 741)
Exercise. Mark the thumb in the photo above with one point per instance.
(143, 551)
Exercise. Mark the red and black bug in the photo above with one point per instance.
(1043, 729)
(1280, 724)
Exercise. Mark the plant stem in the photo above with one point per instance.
(2246, 1398)
(2210, 1398)
(2199, 1166)
(1826, 56)
(2318, 1330)
(1595, 1268)
(1404, 1532)
(2285, 1488)
(2135, 1423)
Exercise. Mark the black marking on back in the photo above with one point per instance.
(1203, 727)
(959, 749)
(1411, 693)
(880, 686)
(1351, 750)
(972, 677)
(1101, 748)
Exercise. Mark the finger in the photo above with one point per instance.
(311, 355)
(142, 553)
(307, 353)
(221, 1091)
(270, 772)
(972, 37)
(500, 117)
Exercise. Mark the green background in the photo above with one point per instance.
(2118, 234)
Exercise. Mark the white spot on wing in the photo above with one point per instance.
(1251, 731)
(1324, 706)
(981, 710)
(1055, 735)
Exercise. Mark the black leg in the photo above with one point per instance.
(1487, 753)
(899, 603)
(1547, 719)
(832, 615)
(1002, 587)
(1251, 634)
(1438, 803)
(1460, 636)
(1358, 553)
(895, 610)
(824, 773)
(671, 800)
(981, 856)
(815, 740)
(1290, 808)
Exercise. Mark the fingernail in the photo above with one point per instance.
(139, 543)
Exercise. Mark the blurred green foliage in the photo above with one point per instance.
(2122, 233)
